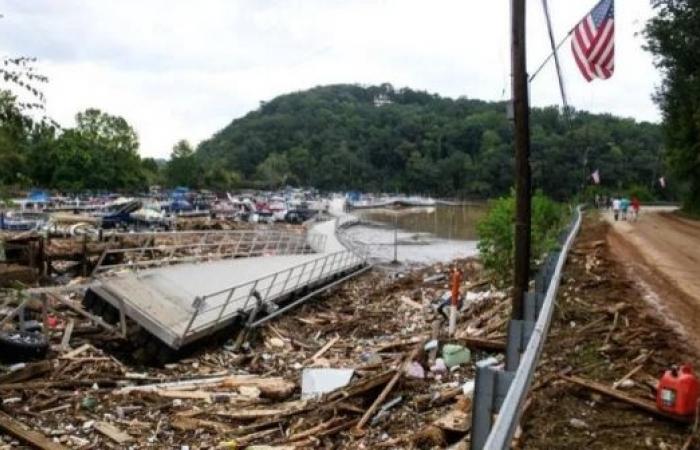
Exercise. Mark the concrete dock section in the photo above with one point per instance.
(182, 303)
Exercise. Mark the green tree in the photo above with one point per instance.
(673, 36)
(183, 168)
(274, 172)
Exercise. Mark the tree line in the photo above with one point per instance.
(341, 137)
(377, 138)
(673, 37)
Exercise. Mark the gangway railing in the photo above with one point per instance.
(208, 246)
(214, 310)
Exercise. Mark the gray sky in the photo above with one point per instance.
(183, 69)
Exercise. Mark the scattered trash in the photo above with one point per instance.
(454, 355)
(88, 403)
(317, 381)
(578, 423)
(433, 343)
(415, 370)
(439, 366)
(386, 407)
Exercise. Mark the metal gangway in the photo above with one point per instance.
(220, 278)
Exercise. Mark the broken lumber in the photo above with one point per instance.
(28, 371)
(638, 403)
(455, 420)
(482, 343)
(325, 348)
(38, 440)
(273, 387)
(112, 432)
(67, 334)
(387, 389)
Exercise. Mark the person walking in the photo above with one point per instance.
(636, 205)
(616, 208)
(624, 207)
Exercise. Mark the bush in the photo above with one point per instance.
(497, 230)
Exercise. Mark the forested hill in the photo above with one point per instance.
(378, 138)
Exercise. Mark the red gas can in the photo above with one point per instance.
(677, 391)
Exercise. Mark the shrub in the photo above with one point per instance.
(497, 230)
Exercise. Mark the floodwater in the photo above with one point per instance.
(423, 235)
(447, 222)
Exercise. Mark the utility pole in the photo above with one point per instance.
(521, 113)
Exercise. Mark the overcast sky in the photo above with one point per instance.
(183, 69)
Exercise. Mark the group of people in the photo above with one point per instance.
(622, 207)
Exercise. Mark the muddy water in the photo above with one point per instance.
(424, 235)
(447, 222)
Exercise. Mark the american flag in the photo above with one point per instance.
(662, 182)
(593, 43)
(596, 176)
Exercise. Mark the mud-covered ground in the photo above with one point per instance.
(603, 328)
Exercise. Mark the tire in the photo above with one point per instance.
(19, 346)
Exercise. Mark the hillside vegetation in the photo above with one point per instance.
(378, 138)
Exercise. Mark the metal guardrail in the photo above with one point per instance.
(503, 429)
(210, 245)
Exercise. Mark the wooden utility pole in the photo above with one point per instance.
(521, 113)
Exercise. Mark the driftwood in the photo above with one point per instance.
(29, 371)
(112, 432)
(38, 440)
(641, 404)
(387, 389)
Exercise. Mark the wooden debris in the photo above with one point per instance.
(185, 423)
(112, 432)
(82, 349)
(455, 420)
(413, 304)
(38, 440)
(325, 348)
(30, 370)
(641, 404)
(482, 343)
(272, 387)
(387, 389)
(67, 334)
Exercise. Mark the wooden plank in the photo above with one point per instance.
(387, 389)
(32, 437)
(325, 348)
(112, 432)
(482, 343)
(644, 405)
(29, 371)
(455, 420)
(67, 334)
(73, 353)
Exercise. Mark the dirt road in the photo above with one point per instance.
(662, 253)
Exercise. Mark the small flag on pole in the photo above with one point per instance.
(593, 42)
(662, 182)
(596, 176)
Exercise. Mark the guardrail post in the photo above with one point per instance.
(519, 332)
(490, 388)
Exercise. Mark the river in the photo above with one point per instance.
(424, 235)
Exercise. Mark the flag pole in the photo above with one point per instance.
(551, 55)
(564, 100)
(521, 114)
